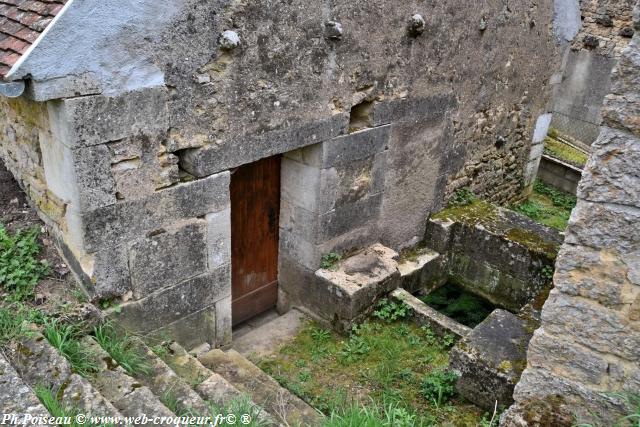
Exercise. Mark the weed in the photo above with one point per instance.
(304, 376)
(55, 407)
(20, 271)
(320, 335)
(160, 350)
(439, 386)
(123, 349)
(330, 261)
(462, 197)
(14, 321)
(390, 311)
(354, 349)
(390, 415)
(547, 273)
(548, 206)
(66, 339)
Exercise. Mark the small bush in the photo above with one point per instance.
(462, 197)
(439, 386)
(390, 311)
(20, 271)
(65, 338)
(123, 349)
(330, 261)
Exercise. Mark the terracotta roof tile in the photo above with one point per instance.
(21, 23)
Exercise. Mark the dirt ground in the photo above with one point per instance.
(59, 288)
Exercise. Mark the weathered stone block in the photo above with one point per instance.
(300, 184)
(348, 217)
(404, 109)
(177, 302)
(219, 238)
(127, 220)
(347, 293)
(491, 359)
(607, 177)
(93, 120)
(189, 331)
(215, 158)
(167, 258)
(96, 186)
(341, 151)
(426, 271)
(111, 276)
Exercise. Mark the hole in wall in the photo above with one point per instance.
(361, 116)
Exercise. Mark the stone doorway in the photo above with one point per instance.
(255, 209)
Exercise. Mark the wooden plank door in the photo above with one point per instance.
(255, 211)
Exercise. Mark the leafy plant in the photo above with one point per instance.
(439, 386)
(65, 338)
(20, 271)
(354, 349)
(14, 320)
(462, 197)
(547, 273)
(390, 311)
(330, 261)
(320, 335)
(123, 349)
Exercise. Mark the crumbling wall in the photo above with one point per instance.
(584, 359)
(606, 30)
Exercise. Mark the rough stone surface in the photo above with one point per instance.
(494, 252)
(490, 360)
(426, 271)
(21, 399)
(585, 355)
(349, 291)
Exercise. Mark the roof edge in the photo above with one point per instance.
(16, 67)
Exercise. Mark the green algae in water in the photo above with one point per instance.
(459, 304)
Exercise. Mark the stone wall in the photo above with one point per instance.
(578, 95)
(584, 359)
(403, 113)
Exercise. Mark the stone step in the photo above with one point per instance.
(166, 384)
(38, 363)
(17, 397)
(209, 385)
(129, 395)
(263, 389)
(267, 338)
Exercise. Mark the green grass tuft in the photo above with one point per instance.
(15, 320)
(20, 271)
(565, 152)
(123, 349)
(66, 339)
(548, 205)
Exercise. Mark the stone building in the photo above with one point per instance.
(183, 149)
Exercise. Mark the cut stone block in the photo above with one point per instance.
(20, 399)
(491, 359)
(347, 293)
(427, 316)
(427, 271)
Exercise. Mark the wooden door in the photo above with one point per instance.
(255, 211)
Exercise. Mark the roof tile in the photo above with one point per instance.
(21, 23)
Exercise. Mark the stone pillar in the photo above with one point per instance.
(331, 198)
(584, 359)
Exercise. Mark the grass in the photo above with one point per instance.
(20, 270)
(64, 414)
(239, 407)
(66, 339)
(377, 373)
(14, 322)
(548, 205)
(123, 349)
(565, 152)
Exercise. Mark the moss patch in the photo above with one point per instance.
(378, 364)
(565, 152)
(533, 241)
(477, 212)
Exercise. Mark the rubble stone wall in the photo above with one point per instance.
(584, 359)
